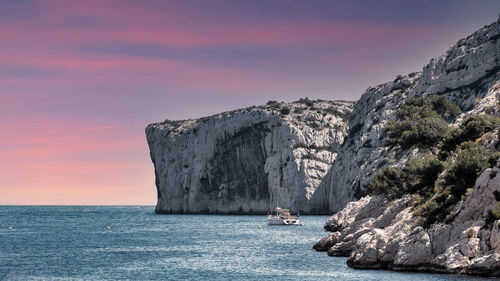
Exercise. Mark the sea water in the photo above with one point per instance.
(74, 243)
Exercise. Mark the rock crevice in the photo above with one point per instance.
(236, 162)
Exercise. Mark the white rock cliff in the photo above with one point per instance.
(236, 162)
(464, 73)
(377, 233)
(232, 162)
(314, 157)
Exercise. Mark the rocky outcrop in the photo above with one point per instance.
(236, 162)
(316, 158)
(465, 73)
(307, 160)
(376, 233)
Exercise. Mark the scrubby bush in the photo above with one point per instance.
(306, 101)
(471, 159)
(426, 132)
(431, 211)
(390, 181)
(422, 173)
(285, 110)
(429, 106)
(472, 128)
(468, 161)
(299, 110)
(273, 104)
(421, 121)
(417, 177)
(435, 208)
(477, 125)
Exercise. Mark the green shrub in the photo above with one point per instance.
(434, 208)
(471, 159)
(472, 128)
(395, 130)
(452, 138)
(421, 122)
(285, 110)
(429, 106)
(477, 125)
(306, 101)
(298, 110)
(417, 177)
(431, 211)
(422, 174)
(273, 104)
(426, 132)
(390, 181)
(428, 209)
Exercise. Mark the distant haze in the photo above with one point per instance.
(80, 80)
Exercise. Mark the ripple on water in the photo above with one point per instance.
(72, 243)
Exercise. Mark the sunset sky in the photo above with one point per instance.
(80, 80)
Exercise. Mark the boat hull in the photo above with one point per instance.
(282, 221)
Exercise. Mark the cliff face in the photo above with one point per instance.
(464, 73)
(235, 162)
(375, 232)
(307, 160)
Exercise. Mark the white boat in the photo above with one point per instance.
(282, 217)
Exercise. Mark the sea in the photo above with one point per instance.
(134, 243)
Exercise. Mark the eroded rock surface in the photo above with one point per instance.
(466, 73)
(234, 162)
(389, 239)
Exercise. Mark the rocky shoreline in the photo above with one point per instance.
(380, 233)
(376, 233)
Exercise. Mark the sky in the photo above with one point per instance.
(80, 80)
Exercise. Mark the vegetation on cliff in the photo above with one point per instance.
(453, 157)
(421, 122)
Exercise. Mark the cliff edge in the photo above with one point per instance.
(429, 169)
(237, 162)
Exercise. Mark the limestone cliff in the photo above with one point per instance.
(376, 232)
(464, 73)
(317, 157)
(233, 162)
(236, 162)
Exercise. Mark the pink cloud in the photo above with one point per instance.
(60, 162)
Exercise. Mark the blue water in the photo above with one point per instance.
(72, 243)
